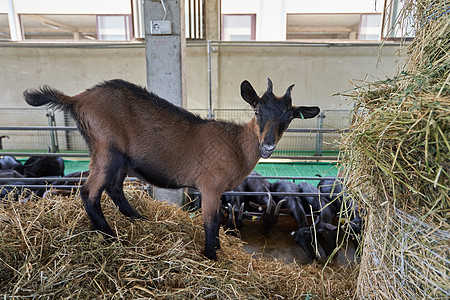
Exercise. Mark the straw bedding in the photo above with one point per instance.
(48, 252)
(397, 157)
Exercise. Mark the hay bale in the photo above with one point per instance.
(398, 157)
(48, 251)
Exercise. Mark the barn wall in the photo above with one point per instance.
(318, 72)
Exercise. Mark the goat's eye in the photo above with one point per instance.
(256, 112)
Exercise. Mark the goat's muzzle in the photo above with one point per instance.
(266, 150)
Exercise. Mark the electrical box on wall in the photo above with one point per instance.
(160, 27)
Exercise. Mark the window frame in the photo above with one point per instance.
(252, 25)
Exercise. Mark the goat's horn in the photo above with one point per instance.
(230, 208)
(270, 202)
(241, 212)
(269, 85)
(316, 222)
(278, 207)
(289, 90)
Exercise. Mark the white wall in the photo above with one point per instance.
(68, 6)
(333, 6)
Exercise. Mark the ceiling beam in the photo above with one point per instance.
(51, 22)
(318, 29)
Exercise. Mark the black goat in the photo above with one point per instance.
(344, 204)
(255, 183)
(292, 203)
(270, 215)
(11, 163)
(233, 207)
(44, 166)
(334, 190)
(270, 209)
(325, 230)
(302, 235)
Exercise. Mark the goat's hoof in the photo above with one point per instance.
(211, 255)
(139, 218)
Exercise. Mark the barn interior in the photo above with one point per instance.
(353, 60)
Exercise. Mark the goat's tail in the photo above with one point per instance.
(47, 96)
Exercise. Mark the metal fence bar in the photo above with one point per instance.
(39, 128)
(281, 194)
(82, 179)
(45, 154)
(311, 130)
(319, 137)
(306, 157)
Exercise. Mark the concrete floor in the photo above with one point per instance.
(280, 245)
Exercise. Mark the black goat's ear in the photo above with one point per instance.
(248, 93)
(306, 112)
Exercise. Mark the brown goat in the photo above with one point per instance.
(131, 131)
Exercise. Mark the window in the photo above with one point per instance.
(398, 23)
(76, 27)
(370, 27)
(114, 28)
(347, 26)
(238, 27)
(58, 27)
(4, 27)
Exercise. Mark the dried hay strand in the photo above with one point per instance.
(397, 156)
(48, 252)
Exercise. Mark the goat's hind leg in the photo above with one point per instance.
(91, 192)
(114, 188)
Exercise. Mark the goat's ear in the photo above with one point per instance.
(306, 112)
(249, 94)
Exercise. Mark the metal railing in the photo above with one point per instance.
(47, 184)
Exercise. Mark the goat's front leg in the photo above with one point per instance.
(211, 221)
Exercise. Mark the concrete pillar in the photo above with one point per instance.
(212, 20)
(212, 28)
(165, 56)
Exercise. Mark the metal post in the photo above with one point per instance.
(319, 135)
(53, 135)
(209, 49)
(14, 23)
